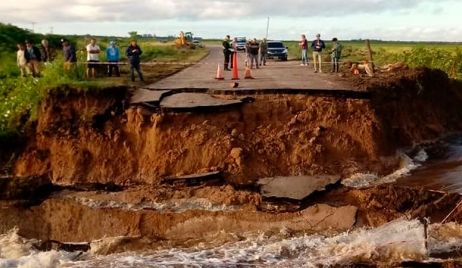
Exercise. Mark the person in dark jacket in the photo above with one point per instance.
(133, 54)
(336, 54)
(263, 52)
(33, 58)
(48, 54)
(70, 58)
(318, 45)
(227, 52)
(253, 51)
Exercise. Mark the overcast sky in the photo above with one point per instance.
(415, 20)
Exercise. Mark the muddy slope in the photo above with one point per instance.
(88, 138)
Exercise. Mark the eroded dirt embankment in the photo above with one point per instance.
(92, 137)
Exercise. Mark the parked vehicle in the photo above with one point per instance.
(241, 41)
(277, 49)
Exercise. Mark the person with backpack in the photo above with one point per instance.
(113, 57)
(133, 53)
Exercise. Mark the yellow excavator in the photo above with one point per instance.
(185, 40)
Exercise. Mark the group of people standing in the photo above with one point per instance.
(256, 52)
(29, 58)
(133, 53)
(318, 46)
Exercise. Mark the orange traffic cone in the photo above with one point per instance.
(219, 73)
(248, 73)
(235, 67)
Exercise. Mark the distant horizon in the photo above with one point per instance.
(219, 39)
(386, 20)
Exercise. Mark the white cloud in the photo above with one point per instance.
(145, 10)
(387, 19)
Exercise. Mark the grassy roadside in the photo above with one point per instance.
(20, 96)
(444, 56)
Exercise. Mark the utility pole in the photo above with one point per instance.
(51, 30)
(33, 26)
(267, 27)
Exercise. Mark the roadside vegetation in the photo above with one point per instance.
(443, 56)
(20, 96)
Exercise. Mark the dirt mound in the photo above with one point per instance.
(275, 135)
(88, 137)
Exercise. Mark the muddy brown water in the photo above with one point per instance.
(442, 173)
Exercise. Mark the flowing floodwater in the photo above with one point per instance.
(394, 242)
(441, 174)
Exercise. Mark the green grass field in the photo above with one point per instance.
(20, 96)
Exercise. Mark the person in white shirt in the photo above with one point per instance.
(92, 57)
(21, 60)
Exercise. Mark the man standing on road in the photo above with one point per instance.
(318, 45)
(113, 56)
(254, 53)
(304, 47)
(33, 58)
(234, 51)
(227, 52)
(133, 54)
(92, 58)
(336, 55)
(263, 52)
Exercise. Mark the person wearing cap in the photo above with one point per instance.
(336, 54)
(304, 47)
(227, 52)
(133, 53)
(70, 58)
(21, 60)
(33, 57)
(92, 58)
(318, 45)
(113, 57)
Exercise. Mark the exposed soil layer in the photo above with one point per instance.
(115, 161)
(92, 138)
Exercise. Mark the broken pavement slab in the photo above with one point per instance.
(194, 101)
(152, 97)
(295, 187)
